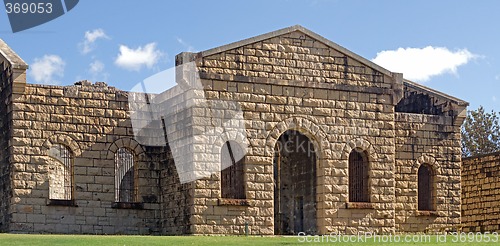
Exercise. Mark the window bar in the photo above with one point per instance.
(126, 175)
(135, 180)
(358, 178)
(117, 177)
(66, 158)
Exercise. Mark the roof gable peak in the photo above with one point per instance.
(292, 29)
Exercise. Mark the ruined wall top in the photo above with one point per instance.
(82, 88)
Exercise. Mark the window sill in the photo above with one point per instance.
(427, 213)
(359, 205)
(61, 202)
(128, 205)
(233, 202)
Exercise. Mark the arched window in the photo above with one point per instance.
(125, 176)
(61, 173)
(425, 190)
(358, 177)
(232, 183)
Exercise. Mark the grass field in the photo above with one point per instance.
(41, 240)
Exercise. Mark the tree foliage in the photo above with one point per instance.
(480, 133)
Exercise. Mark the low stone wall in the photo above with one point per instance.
(481, 193)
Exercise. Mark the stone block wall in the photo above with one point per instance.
(433, 140)
(5, 131)
(481, 193)
(176, 201)
(294, 82)
(92, 121)
(12, 80)
(291, 79)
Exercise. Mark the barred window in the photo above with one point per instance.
(425, 190)
(125, 176)
(358, 177)
(232, 183)
(61, 173)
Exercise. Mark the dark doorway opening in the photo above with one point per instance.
(294, 185)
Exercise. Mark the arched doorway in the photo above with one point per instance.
(295, 184)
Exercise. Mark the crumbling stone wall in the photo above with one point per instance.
(291, 79)
(481, 193)
(92, 121)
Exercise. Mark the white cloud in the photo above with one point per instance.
(186, 45)
(494, 98)
(420, 64)
(497, 77)
(43, 70)
(135, 59)
(90, 37)
(96, 69)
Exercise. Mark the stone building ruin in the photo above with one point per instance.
(332, 143)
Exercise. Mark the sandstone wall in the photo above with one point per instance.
(5, 131)
(291, 81)
(93, 121)
(433, 140)
(481, 193)
(177, 201)
(295, 82)
(12, 80)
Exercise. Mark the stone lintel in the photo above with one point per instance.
(232, 202)
(359, 205)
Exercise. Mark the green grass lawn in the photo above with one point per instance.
(41, 240)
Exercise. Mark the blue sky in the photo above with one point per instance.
(449, 45)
